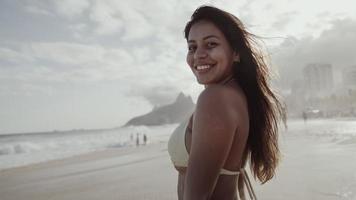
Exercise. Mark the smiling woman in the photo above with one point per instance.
(236, 116)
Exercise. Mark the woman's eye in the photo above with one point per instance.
(191, 48)
(212, 44)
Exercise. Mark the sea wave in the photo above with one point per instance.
(19, 150)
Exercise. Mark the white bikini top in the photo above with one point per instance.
(178, 151)
(179, 156)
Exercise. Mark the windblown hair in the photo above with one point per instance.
(252, 74)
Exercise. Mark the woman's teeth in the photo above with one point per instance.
(202, 67)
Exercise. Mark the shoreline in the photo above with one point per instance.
(100, 154)
(129, 173)
(315, 165)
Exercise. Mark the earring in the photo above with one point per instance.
(237, 59)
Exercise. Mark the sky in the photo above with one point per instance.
(88, 64)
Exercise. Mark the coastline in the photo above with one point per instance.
(318, 162)
(122, 173)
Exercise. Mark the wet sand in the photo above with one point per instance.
(123, 173)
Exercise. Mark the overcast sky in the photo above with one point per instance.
(74, 64)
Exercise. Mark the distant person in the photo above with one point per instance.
(131, 137)
(137, 140)
(144, 139)
(236, 115)
(305, 117)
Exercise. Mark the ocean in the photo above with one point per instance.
(24, 149)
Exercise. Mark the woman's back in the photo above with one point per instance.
(226, 185)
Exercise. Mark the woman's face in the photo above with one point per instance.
(210, 56)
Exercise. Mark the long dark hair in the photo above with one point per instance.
(252, 73)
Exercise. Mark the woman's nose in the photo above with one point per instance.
(200, 53)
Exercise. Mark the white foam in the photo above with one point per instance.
(28, 149)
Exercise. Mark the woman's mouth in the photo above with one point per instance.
(203, 68)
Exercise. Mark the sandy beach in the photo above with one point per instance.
(313, 166)
(125, 173)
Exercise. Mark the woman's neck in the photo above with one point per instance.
(225, 81)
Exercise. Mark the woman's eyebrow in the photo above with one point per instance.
(204, 38)
(210, 36)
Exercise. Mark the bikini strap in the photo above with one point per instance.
(244, 180)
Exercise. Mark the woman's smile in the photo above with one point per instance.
(202, 69)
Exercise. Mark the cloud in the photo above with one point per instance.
(118, 17)
(132, 21)
(71, 8)
(65, 8)
(161, 95)
(37, 10)
(334, 45)
(68, 61)
(106, 18)
(283, 20)
(11, 56)
(138, 71)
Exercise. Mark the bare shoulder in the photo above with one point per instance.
(223, 98)
(219, 90)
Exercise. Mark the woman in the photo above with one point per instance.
(236, 115)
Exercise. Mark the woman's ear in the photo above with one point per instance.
(236, 57)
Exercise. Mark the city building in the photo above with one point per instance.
(318, 80)
(349, 77)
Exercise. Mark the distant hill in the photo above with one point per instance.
(176, 112)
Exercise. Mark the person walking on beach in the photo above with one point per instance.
(236, 115)
(305, 117)
(137, 140)
(144, 139)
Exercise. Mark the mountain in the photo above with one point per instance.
(176, 112)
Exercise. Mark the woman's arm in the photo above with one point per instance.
(214, 126)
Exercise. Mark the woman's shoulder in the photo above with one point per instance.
(222, 101)
(222, 94)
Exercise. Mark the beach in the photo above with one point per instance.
(318, 162)
(128, 173)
